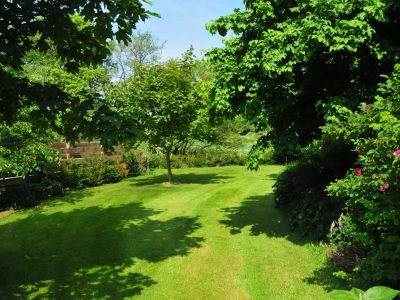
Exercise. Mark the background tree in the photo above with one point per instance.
(142, 49)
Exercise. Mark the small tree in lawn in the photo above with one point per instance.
(162, 103)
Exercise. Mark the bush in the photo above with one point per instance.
(91, 172)
(199, 158)
(47, 188)
(28, 194)
(372, 187)
(381, 265)
(25, 150)
(136, 161)
(300, 190)
(111, 172)
(75, 174)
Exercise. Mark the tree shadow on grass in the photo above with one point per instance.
(190, 178)
(70, 197)
(273, 176)
(88, 253)
(260, 214)
(324, 277)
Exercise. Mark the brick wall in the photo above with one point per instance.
(83, 149)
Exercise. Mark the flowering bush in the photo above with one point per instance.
(372, 187)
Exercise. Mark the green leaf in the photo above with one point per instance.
(381, 293)
(345, 295)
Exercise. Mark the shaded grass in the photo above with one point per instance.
(216, 235)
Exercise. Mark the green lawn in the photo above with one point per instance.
(215, 235)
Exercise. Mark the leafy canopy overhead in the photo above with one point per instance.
(288, 59)
(77, 31)
(52, 20)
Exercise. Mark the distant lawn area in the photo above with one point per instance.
(215, 235)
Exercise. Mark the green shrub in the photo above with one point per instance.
(47, 188)
(372, 186)
(136, 162)
(111, 172)
(25, 150)
(199, 158)
(300, 190)
(91, 172)
(29, 193)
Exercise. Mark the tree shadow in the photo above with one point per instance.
(324, 277)
(189, 178)
(273, 176)
(88, 253)
(260, 214)
(70, 197)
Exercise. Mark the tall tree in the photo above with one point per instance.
(142, 49)
(290, 60)
(77, 30)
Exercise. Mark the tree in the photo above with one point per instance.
(290, 60)
(25, 144)
(142, 49)
(84, 90)
(160, 102)
(77, 30)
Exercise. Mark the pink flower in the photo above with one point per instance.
(359, 152)
(367, 107)
(397, 153)
(358, 172)
(383, 187)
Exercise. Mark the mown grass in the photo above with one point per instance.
(215, 235)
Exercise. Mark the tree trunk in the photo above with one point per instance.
(170, 178)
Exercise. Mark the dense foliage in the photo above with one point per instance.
(24, 151)
(91, 172)
(300, 190)
(78, 31)
(372, 187)
(139, 163)
(40, 186)
(288, 59)
(30, 192)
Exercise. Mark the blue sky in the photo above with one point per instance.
(182, 23)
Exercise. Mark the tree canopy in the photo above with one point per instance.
(289, 60)
(142, 49)
(77, 31)
(161, 105)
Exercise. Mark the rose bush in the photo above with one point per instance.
(372, 187)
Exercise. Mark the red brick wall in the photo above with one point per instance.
(83, 149)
